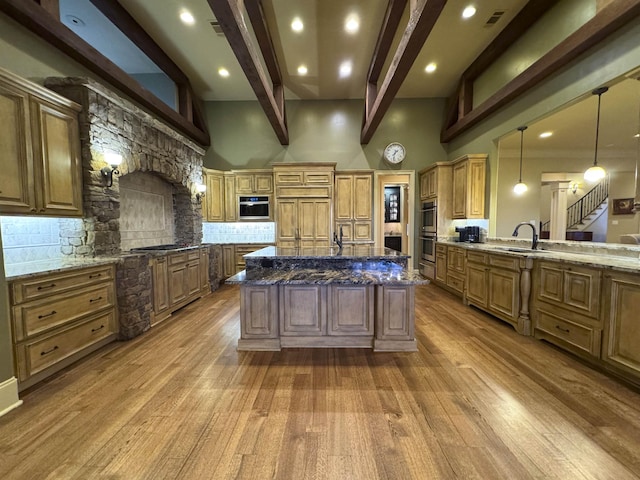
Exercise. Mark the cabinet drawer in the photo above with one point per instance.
(455, 282)
(289, 178)
(45, 352)
(176, 258)
(510, 263)
(41, 315)
(580, 336)
(42, 286)
(441, 249)
(477, 257)
(317, 178)
(193, 255)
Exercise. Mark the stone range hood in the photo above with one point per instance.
(108, 122)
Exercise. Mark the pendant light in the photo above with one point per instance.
(520, 187)
(596, 172)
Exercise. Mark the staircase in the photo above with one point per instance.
(586, 210)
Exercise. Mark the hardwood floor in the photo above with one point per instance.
(476, 401)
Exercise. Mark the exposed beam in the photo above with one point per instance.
(261, 31)
(526, 17)
(604, 23)
(114, 11)
(392, 18)
(421, 21)
(51, 6)
(35, 18)
(228, 14)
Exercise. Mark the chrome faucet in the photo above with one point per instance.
(534, 243)
(338, 240)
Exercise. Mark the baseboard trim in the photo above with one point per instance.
(9, 396)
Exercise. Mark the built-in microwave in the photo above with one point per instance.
(254, 208)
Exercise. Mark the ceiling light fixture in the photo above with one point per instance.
(545, 134)
(469, 12)
(431, 68)
(297, 25)
(352, 25)
(302, 70)
(520, 187)
(223, 72)
(187, 18)
(595, 172)
(637, 135)
(345, 69)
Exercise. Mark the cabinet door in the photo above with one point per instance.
(263, 183)
(459, 190)
(477, 282)
(303, 310)
(244, 183)
(323, 222)
(504, 293)
(351, 310)
(16, 182)
(193, 277)
(344, 198)
(230, 201)
(363, 197)
(395, 312)
(177, 283)
(214, 198)
(362, 231)
(57, 159)
(424, 188)
(441, 268)
(286, 222)
(582, 290)
(228, 260)
(622, 328)
(314, 221)
(476, 189)
(204, 270)
(259, 311)
(160, 285)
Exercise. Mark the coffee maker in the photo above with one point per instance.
(469, 234)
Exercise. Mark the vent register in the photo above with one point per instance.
(495, 16)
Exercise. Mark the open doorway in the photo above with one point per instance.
(394, 207)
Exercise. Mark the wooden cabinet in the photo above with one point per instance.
(243, 249)
(205, 284)
(353, 206)
(395, 318)
(303, 310)
(249, 182)
(622, 324)
(259, 303)
(303, 222)
(213, 206)
(477, 279)
(441, 264)
(567, 306)
(429, 183)
(456, 269)
(228, 260)
(230, 201)
(160, 280)
(469, 183)
(58, 318)
(350, 310)
(40, 157)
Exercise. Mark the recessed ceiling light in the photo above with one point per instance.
(469, 12)
(431, 68)
(297, 25)
(352, 24)
(223, 72)
(302, 70)
(345, 69)
(545, 134)
(637, 135)
(187, 18)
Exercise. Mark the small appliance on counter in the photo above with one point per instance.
(469, 234)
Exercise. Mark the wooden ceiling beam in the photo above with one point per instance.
(228, 14)
(392, 17)
(605, 22)
(461, 102)
(34, 17)
(261, 31)
(423, 17)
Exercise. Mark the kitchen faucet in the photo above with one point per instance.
(534, 243)
(338, 240)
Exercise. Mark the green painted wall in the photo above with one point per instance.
(323, 131)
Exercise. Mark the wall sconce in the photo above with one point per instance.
(113, 159)
(595, 172)
(519, 188)
(200, 191)
(573, 186)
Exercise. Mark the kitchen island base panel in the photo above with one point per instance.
(259, 345)
(395, 345)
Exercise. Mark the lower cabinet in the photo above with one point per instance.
(441, 264)
(233, 257)
(622, 324)
(456, 269)
(178, 279)
(58, 318)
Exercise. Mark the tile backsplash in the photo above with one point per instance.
(241, 232)
(30, 239)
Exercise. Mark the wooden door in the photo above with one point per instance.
(17, 194)
(57, 159)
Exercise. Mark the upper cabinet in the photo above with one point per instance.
(469, 183)
(353, 206)
(213, 204)
(429, 183)
(40, 146)
(259, 182)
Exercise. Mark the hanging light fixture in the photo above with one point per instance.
(596, 172)
(520, 187)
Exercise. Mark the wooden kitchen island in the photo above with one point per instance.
(358, 296)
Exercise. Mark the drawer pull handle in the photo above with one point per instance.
(53, 312)
(95, 275)
(49, 351)
(91, 300)
(96, 329)
(44, 287)
(565, 330)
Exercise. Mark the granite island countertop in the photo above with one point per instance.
(327, 277)
(591, 255)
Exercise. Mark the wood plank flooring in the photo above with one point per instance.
(477, 401)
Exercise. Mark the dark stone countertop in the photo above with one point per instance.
(327, 277)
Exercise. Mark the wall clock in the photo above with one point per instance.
(394, 153)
